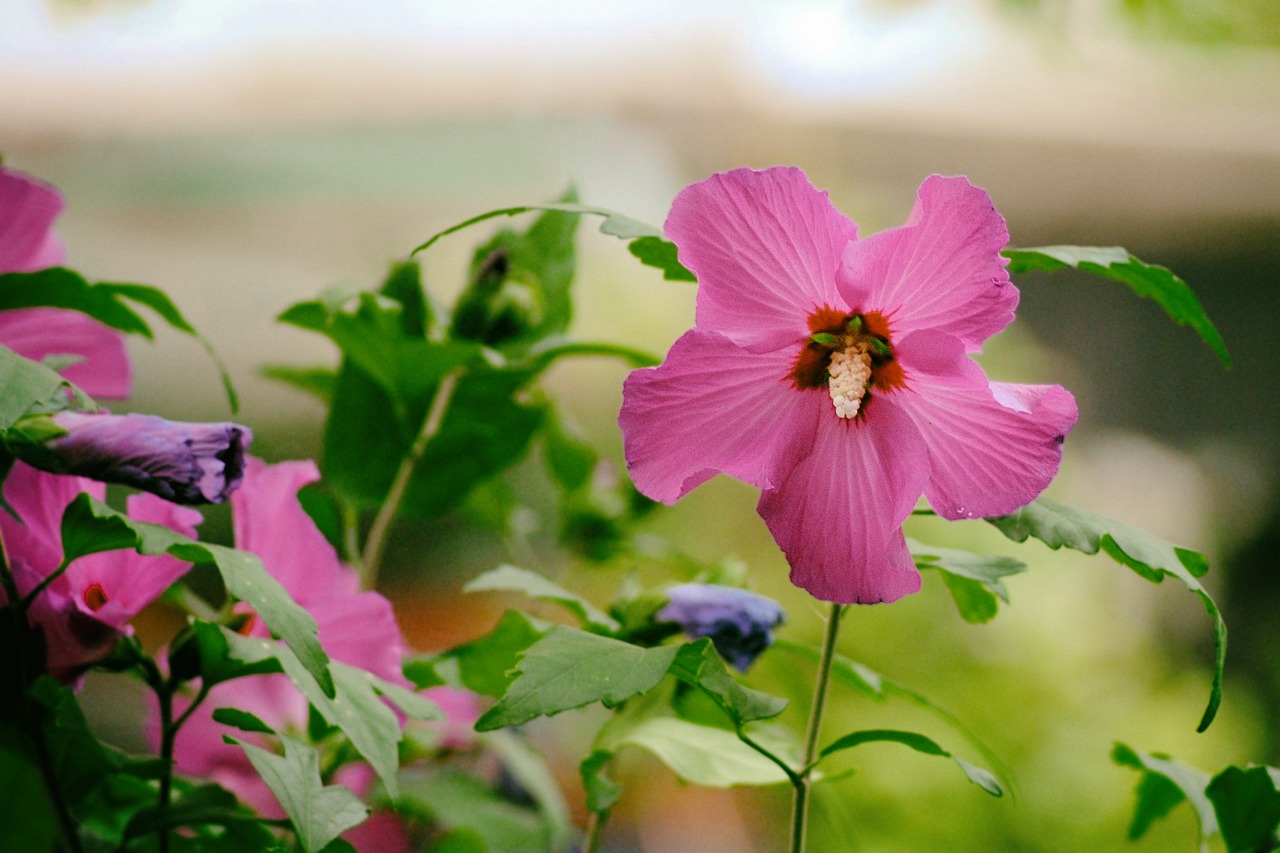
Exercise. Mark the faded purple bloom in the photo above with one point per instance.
(738, 622)
(182, 462)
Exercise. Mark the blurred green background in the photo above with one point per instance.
(245, 155)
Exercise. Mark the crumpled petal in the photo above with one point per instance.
(27, 210)
(765, 246)
(35, 333)
(711, 407)
(992, 447)
(942, 270)
(838, 516)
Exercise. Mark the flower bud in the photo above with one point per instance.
(739, 623)
(187, 463)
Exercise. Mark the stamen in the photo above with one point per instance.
(850, 372)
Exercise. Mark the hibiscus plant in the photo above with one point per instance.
(832, 371)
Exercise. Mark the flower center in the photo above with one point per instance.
(95, 597)
(851, 356)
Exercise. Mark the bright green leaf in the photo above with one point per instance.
(703, 755)
(1147, 280)
(510, 578)
(569, 668)
(487, 665)
(319, 812)
(927, 746)
(1165, 783)
(974, 580)
(1153, 558)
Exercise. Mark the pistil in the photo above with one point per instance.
(850, 371)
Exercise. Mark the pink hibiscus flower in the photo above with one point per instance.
(835, 374)
(28, 243)
(85, 609)
(356, 628)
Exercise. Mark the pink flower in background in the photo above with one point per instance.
(28, 243)
(356, 628)
(84, 610)
(835, 374)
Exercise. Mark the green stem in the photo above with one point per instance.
(168, 732)
(376, 543)
(25, 604)
(595, 831)
(800, 801)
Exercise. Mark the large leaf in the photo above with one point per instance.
(704, 755)
(90, 526)
(1147, 280)
(1247, 805)
(652, 249)
(1153, 558)
(27, 820)
(105, 302)
(569, 668)
(319, 813)
(977, 775)
(1165, 783)
(510, 578)
(975, 580)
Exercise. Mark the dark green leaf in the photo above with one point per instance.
(319, 812)
(1247, 805)
(27, 820)
(973, 579)
(404, 285)
(980, 777)
(1153, 558)
(89, 526)
(1147, 280)
(569, 668)
(1165, 783)
(602, 792)
(203, 805)
(569, 459)
(487, 665)
(510, 578)
(699, 665)
(242, 720)
(661, 254)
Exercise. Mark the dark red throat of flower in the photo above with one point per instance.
(834, 332)
(95, 597)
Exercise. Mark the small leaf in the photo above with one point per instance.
(602, 792)
(1164, 784)
(569, 668)
(1147, 280)
(1153, 558)
(703, 755)
(486, 665)
(513, 579)
(319, 812)
(242, 720)
(661, 254)
(699, 665)
(973, 579)
(1247, 805)
(980, 777)
(25, 384)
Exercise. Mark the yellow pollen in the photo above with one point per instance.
(850, 371)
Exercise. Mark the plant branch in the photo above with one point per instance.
(800, 802)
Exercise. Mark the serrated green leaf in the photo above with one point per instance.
(569, 668)
(319, 813)
(699, 665)
(1164, 784)
(1247, 806)
(927, 746)
(703, 755)
(974, 580)
(508, 578)
(1058, 525)
(242, 720)
(1146, 280)
(487, 665)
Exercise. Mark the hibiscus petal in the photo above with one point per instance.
(712, 407)
(27, 211)
(838, 516)
(992, 447)
(269, 522)
(35, 333)
(359, 629)
(765, 247)
(942, 270)
(39, 499)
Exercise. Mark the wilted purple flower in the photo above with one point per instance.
(738, 622)
(182, 462)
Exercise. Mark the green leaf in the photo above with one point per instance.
(242, 720)
(27, 821)
(661, 254)
(469, 808)
(975, 580)
(404, 284)
(319, 812)
(203, 805)
(531, 774)
(486, 665)
(1146, 280)
(510, 578)
(90, 526)
(26, 384)
(569, 668)
(1164, 784)
(1247, 806)
(570, 460)
(704, 755)
(977, 775)
(1153, 558)
(319, 382)
(602, 792)
(699, 665)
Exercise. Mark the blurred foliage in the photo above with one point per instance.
(1224, 23)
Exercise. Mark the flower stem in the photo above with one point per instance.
(802, 781)
(595, 831)
(376, 543)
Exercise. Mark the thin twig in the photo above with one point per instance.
(800, 802)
